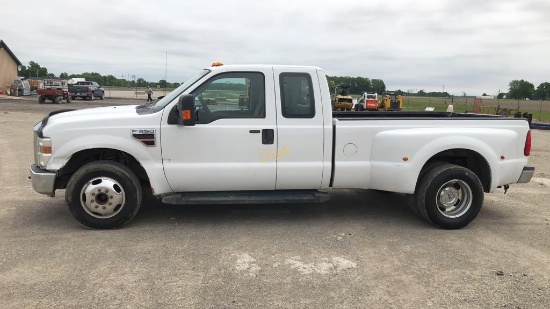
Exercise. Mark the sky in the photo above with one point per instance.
(466, 46)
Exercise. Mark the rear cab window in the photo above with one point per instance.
(297, 99)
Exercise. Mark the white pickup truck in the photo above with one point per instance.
(271, 137)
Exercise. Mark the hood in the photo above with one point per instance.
(99, 118)
(97, 112)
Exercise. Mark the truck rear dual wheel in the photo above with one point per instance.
(41, 99)
(103, 195)
(449, 196)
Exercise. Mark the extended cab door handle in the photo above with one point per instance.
(268, 136)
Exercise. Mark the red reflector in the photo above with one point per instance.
(527, 149)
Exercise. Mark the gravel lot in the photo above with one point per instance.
(361, 249)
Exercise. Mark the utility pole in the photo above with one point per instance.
(135, 85)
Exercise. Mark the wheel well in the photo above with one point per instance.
(86, 156)
(465, 158)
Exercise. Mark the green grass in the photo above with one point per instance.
(540, 110)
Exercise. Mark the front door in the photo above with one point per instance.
(232, 145)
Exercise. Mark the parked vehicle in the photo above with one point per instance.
(391, 102)
(54, 90)
(341, 100)
(284, 145)
(368, 101)
(87, 90)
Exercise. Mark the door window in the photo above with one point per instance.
(297, 95)
(231, 95)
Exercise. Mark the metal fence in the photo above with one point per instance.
(540, 110)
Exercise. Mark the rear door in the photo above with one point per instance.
(301, 135)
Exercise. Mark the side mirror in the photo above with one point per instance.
(186, 110)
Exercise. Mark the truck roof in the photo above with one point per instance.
(261, 66)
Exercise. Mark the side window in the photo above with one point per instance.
(297, 95)
(231, 95)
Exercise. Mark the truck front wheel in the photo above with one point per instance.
(103, 195)
(449, 196)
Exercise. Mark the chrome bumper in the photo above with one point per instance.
(43, 181)
(526, 174)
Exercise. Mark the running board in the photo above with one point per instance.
(247, 197)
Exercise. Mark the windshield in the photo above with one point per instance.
(178, 91)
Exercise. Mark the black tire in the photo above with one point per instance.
(57, 100)
(449, 196)
(91, 202)
(41, 99)
(72, 98)
(411, 198)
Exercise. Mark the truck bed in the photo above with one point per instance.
(385, 143)
(412, 115)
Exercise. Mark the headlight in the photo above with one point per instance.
(43, 151)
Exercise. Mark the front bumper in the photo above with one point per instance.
(526, 174)
(43, 181)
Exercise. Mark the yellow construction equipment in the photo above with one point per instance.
(341, 100)
(390, 102)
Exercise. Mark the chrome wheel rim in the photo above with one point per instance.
(102, 197)
(454, 198)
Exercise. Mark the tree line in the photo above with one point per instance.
(357, 85)
(522, 89)
(35, 70)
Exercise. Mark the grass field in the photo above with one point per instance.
(540, 110)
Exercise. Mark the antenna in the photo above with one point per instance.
(166, 73)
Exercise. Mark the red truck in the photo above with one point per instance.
(55, 90)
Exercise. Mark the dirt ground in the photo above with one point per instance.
(361, 249)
